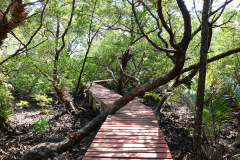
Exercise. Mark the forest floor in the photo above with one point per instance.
(175, 124)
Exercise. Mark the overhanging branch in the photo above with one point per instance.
(212, 59)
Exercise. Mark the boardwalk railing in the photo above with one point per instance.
(131, 133)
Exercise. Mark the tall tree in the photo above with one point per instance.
(202, 77)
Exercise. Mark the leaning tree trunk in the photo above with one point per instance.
(186, 79)
(53, 149)
(159, 107)
(45, 150)
(67, 100)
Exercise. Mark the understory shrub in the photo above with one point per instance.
(5, 97)
(22, 104)
(215, 112)
(41, 125)
(44, 101)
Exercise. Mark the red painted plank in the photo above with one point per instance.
(121, 155)
(134, 110)
(152, 141)
(92, 158)
(128, 126)
(131, 123)
(130, 150)
(132, 158)
(129, 134)
(129, 119)
(127, 145)
(132, 105)
(133, 119)
(130, 130)
(136, 115)
(107, 95)
(128, 137)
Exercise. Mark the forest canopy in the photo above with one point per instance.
(158, 48)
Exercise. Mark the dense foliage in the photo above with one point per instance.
(64, 43)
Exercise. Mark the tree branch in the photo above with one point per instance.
(146, 36)
(212, 59)
(129, 76)
(212, 13)
(112, 74)
(187, 25)
(31, 38)
(169, 30)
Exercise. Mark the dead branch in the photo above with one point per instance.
(129, 76)
(112, 74)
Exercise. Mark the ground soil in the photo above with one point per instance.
(12, 146)
(176, 125)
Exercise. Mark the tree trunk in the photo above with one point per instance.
(67, 100)
(159, 107)
(53, 149)
(124, 61)
(201, 83)
(45, 150)
(236, 143)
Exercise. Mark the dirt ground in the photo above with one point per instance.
(12, 146)
(176, 126)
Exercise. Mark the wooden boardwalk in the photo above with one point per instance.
(131, 133)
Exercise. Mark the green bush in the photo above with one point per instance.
(22, 104)
(41, 125)
(233, 89)
(44, 101)
(215, 107)
(152, 94)
(5, 97)
(215, 112)
(45, 111)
